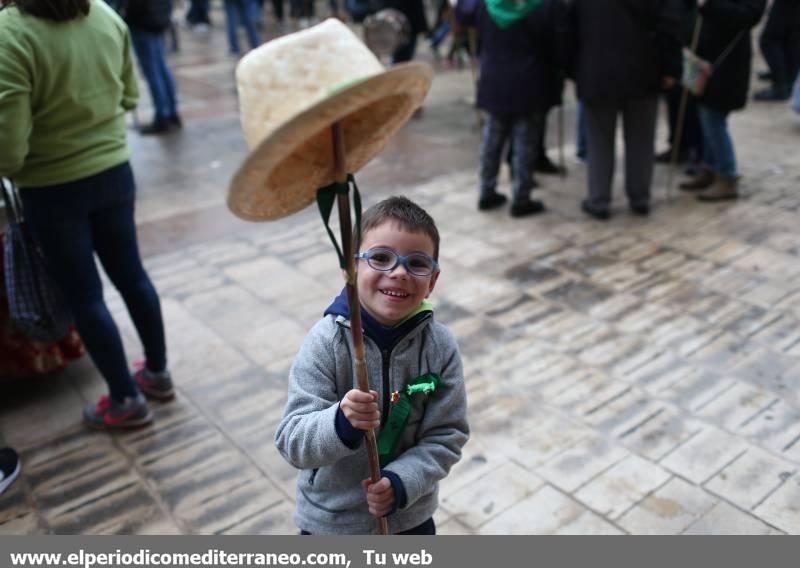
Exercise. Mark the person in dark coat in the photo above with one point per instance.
(725, 42)
(780, 45)
(518, 83)
(626, 51)
(148, 20)
(414, 10)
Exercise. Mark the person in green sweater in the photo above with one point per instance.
(66, 81)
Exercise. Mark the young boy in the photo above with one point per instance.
(417, 407)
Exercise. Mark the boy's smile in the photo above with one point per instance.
(390, 297)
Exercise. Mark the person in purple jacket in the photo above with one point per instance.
(518, 82)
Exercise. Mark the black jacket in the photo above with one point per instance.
(520, 68)
(623, 48)
(723, 22)
(147, 15)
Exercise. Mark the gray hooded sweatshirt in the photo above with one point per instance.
(330, 499)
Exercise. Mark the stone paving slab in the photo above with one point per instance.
(637, 376)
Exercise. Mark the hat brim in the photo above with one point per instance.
(283, 173)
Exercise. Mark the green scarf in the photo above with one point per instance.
(506, 12)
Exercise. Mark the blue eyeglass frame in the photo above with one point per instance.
(400, 260)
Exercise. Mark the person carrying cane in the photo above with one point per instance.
(376, 412)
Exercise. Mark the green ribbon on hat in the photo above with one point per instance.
(325, 199)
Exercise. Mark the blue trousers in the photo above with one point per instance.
(718, 151)
(246, 12)
(73, 221)
(149, 48)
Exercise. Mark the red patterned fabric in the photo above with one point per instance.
(20, 356)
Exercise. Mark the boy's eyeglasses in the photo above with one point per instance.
(386, 260)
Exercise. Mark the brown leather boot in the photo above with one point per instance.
(724, 187)
(701, 181)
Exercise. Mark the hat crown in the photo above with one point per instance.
(290, 74)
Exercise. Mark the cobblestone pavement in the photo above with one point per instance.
(635, 376)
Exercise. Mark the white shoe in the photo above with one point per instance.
(10, 467)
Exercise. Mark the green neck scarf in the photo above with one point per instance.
(506, 12)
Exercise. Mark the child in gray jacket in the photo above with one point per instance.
(418, 405)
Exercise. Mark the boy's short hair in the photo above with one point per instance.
(404, 212)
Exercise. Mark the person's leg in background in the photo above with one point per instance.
(581, 143)
(673, 99)
(232, 25)
(543, 164)
(495, 133)
(719, 154)
(601, 126)
(168, 81)
(149, 49)
(114, 235)
(792, 43)
(405, 52)
(249, 11)
(59, 218)
(197, 14)
(277, 10)
(525, 145)
(773, 47)
(639, 126)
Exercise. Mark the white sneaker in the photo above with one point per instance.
(9, 467)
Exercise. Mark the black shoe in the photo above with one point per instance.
(9, 467)
(494, 201)
(665, 157)
(532, 207)
(545, 166)
(159, 125)
(642, 210)
(599, 214)
(776, 93)
(175, 121)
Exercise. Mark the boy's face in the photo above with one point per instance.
(390, 297)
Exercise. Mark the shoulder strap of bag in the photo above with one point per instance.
(718, 61)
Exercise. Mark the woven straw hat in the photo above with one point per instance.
(291, 90)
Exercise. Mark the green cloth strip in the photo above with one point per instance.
(399, 413)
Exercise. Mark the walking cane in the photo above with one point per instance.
(676, 144)
(346, 231)
(562, 165)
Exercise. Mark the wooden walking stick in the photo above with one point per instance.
(676, 143)
(346, 231)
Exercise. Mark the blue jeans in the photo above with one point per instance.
(245, 11)
(73, 221)
(718, 151)
(150, 52)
